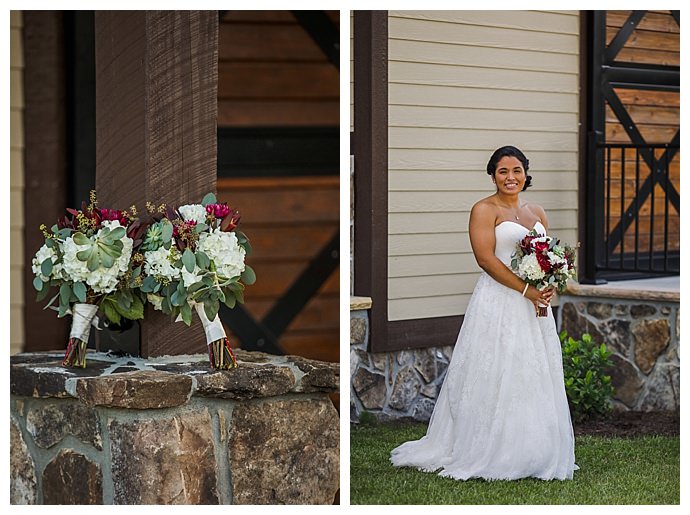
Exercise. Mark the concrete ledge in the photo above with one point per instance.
(665, 289)
(132, 382)
(357, 303)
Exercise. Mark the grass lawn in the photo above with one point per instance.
(644, 470)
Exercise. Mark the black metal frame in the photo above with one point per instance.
(278, 151)
(606, 74)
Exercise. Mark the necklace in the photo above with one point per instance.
(514, 214)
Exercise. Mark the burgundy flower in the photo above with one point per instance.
(114, 214)
(232, 221)
(544, 262)
(219, 211)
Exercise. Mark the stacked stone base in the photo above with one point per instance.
(644, 337)
(173, 431)
(640, 328)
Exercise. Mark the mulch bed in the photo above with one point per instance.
(628, 424)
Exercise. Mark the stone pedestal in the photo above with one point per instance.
(173, 431)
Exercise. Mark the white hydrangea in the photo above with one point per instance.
(189, 278)
(101, 280)
(556, 259)
(159, 263)
(155, 300)
(195, 212)
(529, 268)
(225, 251)
(44, 253)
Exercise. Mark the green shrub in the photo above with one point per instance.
(588, 388)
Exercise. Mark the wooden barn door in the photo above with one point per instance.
(633, 184)
(278, 151)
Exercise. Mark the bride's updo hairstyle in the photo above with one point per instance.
(512, 152)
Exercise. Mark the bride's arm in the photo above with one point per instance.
(483, 241)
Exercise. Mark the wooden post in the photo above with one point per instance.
(156, 105)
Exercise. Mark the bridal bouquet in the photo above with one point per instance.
(178, 260)
(194, 260)
(542, 261)
(87, 258)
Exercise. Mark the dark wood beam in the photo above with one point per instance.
(156, 106)
(45, 163)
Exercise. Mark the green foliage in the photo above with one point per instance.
(588, 388)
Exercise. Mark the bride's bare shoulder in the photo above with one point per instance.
(536, 209)
(484, 208)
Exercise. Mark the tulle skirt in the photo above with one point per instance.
(502, 411)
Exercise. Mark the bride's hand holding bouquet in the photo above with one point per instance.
(541, 261)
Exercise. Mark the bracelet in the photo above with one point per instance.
(525, 290)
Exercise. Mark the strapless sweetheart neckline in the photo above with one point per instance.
(516, 223)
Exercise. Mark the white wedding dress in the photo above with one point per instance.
(502, 411)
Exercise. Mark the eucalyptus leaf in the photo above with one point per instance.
(199, 228)
(147, 284)
(230, 300)
(80, 291)
(65, 293)
(209, 198)
(177, 299)
(38, 284)
(211, 309)
(50, 243)
(186, 312)
(189, 260)
(202, 260)
(248, 276)
(62, 310)
(43, 293)
(166, 231)
(47, 267)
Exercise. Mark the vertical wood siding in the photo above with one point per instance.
(16, 185)
(461, 84)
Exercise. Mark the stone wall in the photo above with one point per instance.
(644, 336)
(392, 385)
(643, 333)
(173, 431)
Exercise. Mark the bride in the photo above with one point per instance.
(502, 412)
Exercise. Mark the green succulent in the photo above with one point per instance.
(103, 249)
(157, 235)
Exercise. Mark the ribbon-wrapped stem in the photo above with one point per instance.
(219, 352)
(542, 310)
(82, 318)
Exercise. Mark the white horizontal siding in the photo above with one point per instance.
(461, 84)
(17, 293)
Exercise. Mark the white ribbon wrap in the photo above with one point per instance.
(213, 328)
(83, 316)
